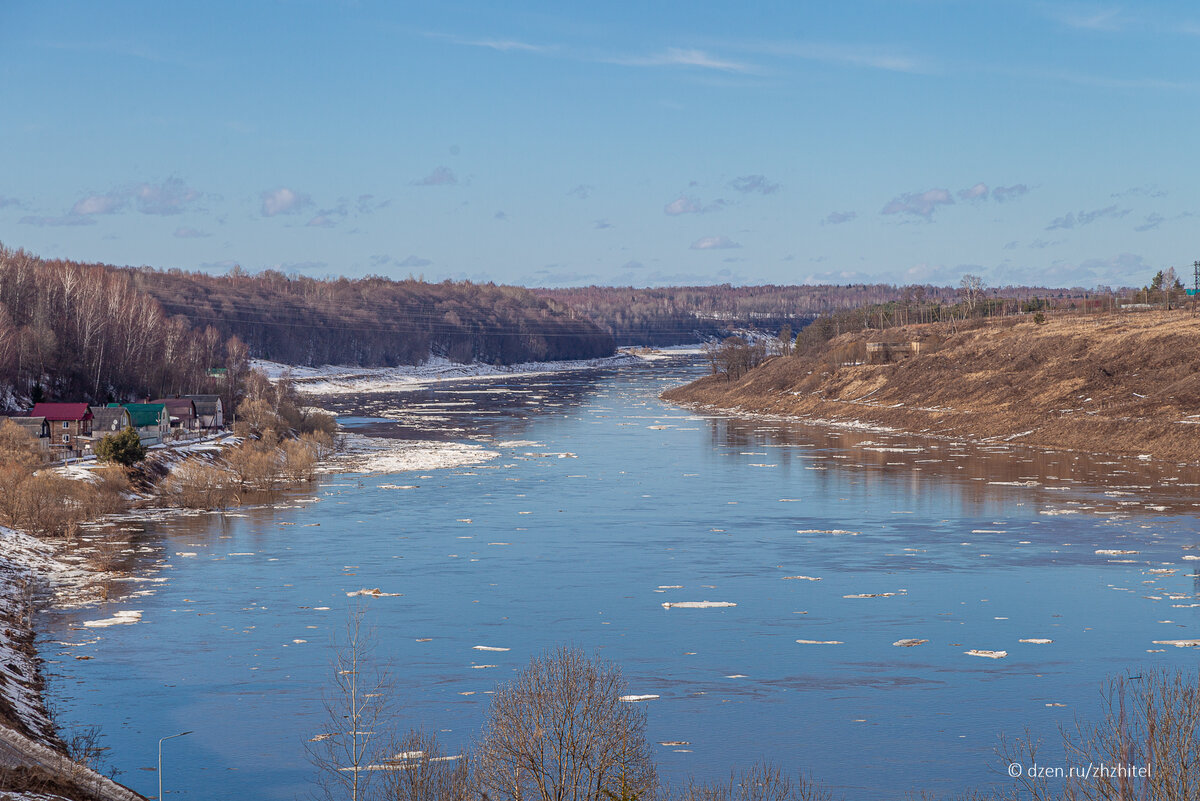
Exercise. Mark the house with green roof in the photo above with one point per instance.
(152, 421)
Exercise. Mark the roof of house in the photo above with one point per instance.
(145, 414)
(33, 425)
(178, 407)
(55, 412)
(108, 418)
(206, 404)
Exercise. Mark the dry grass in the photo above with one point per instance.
(1116, 383)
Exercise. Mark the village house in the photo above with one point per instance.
(209, 410)
(182, 412)
(109, 420)
(151, 420)
(36, 427)
(70, 427)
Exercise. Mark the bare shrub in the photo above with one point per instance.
(299, 460)
(256, 416)
(51, 505)
(734, 357)
(560, 732)
(255, 466)
(321, 441)
(419, 771)
(761, 782)
(1151, 724)
(17, 445)
(199, 485)
(112, 488)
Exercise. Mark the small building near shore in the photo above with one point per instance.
(38, 429)
(182, 412)
(70, 427)
(209, 411)
(151, 420)
(109, 420)
(884, 352)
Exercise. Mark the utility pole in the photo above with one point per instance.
(1195, 285)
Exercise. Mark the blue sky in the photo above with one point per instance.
(639, 143)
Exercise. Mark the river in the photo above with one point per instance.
(603, 504)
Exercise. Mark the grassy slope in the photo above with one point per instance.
(1113, 383)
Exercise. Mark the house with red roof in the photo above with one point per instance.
(70, 426)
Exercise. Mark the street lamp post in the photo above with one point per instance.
(160, 742)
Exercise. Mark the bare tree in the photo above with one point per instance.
(972, 288)
(346, 756)
(419, 771)
(761, 782)
(560, 732)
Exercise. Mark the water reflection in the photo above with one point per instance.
(853, 537)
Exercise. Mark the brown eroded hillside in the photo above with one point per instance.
(1116, 383)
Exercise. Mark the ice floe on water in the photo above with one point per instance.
(383, 455)
(1179, 643)
(1037, 641)
(820, 642)
(374, 592)
(488, 648)
(909, 643)
(801, 578)
(697, 604)
(337, 379)
(986, 654)
(826, 531)
(122, 618)
(635, 698)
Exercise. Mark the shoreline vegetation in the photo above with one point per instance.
(1125, 384)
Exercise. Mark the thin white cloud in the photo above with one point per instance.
(54, 222)
(920, 204)
(283, 201)
(501, 45)
(852, 55)
(977, 192)
(1002, 194)
(1071, 220)
(754, 183)
(184, 232)
(685, 204)
(1092, 18)
(839, 217)
(172, 196)
(109, 203)
(1153, 220)
(714, 243)
(682, 57)
(440, 176)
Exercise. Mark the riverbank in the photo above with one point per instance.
(78, 571)
(1123, 384)
(34, 761)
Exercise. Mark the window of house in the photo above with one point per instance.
(66, 425)
(66, 437)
